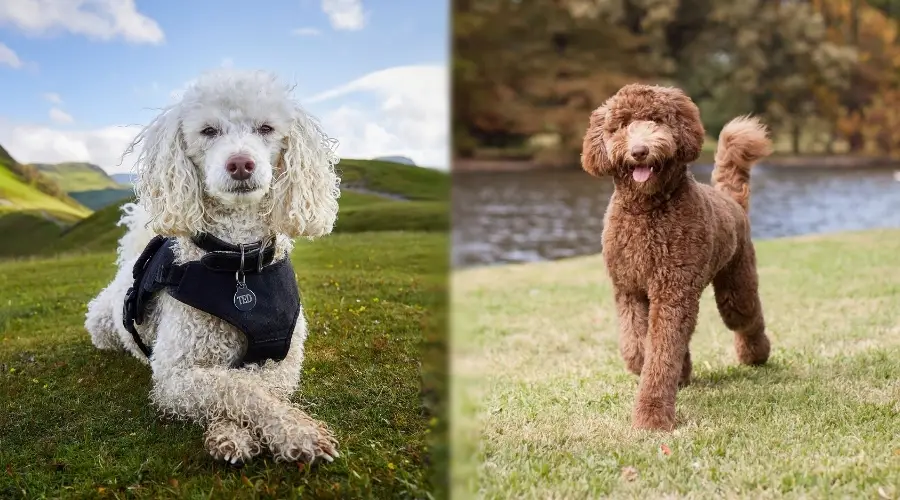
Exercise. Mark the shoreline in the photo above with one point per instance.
(798, 237)
(470, 165)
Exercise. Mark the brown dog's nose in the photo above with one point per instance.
(640, 152)
(240, 167)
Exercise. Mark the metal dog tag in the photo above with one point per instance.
(244, 298)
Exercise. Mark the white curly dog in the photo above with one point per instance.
(238, 159)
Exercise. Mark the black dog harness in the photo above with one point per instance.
(240, 284)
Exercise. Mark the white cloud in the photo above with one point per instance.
(345, 15)
(411, 119)
(53, 98)
(9, 57)
(60, 116)
(38, 144)
(99, 19)
(306, 32)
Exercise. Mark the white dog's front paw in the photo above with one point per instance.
(303, 439)
(225, 440)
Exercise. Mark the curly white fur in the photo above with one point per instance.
(183, 188)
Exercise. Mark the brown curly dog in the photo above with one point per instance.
(666, 236)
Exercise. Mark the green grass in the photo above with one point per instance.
(353, 199)
(395, 216)
(414, 183)
(358, 213)
(542, 402)
(370, 210)
(39, 230)
(78, 176)
(16, 195)
(76, 422)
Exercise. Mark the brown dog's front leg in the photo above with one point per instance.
(632, 309)
(672, 321)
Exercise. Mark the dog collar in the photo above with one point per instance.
(224, 256)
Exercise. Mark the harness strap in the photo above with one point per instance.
(141, 291)
(158, 259)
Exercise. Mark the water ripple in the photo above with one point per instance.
(533, 216)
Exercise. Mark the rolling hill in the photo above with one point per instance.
(376, 196)
(86, 183)
(77, 176)
(396, 159)
(24, 188)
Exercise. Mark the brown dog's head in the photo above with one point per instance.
(644, 136)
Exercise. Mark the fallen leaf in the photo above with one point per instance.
(665, 449)
(173, 482)
(629, 473)
(883, 494)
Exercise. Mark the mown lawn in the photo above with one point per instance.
(542, 401)
(76, 422)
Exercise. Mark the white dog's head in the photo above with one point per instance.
(237, 140)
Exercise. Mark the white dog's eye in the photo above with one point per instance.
(210, 132)
(265, 130)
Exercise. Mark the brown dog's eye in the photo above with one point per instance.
(265, 129)
(210, 132)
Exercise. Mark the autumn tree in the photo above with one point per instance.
(524, 69)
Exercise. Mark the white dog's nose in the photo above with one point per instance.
(240, 167)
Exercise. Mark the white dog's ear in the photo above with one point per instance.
(306, 193)
(168, 185)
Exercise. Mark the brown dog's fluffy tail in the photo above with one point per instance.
(743, 141)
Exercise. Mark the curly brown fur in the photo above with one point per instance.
(666, 237)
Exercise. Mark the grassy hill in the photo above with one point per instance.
(86, 183)
(376, 196)
(78, 176)
(24, 188)
(407, 181)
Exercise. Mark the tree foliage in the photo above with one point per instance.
(528, 72)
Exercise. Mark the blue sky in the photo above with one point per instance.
(85, 74)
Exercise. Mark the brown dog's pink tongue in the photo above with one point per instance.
(641, 173)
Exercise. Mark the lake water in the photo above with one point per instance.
(545, 215)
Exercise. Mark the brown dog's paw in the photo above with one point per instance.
(752, 351)
(654, 417)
